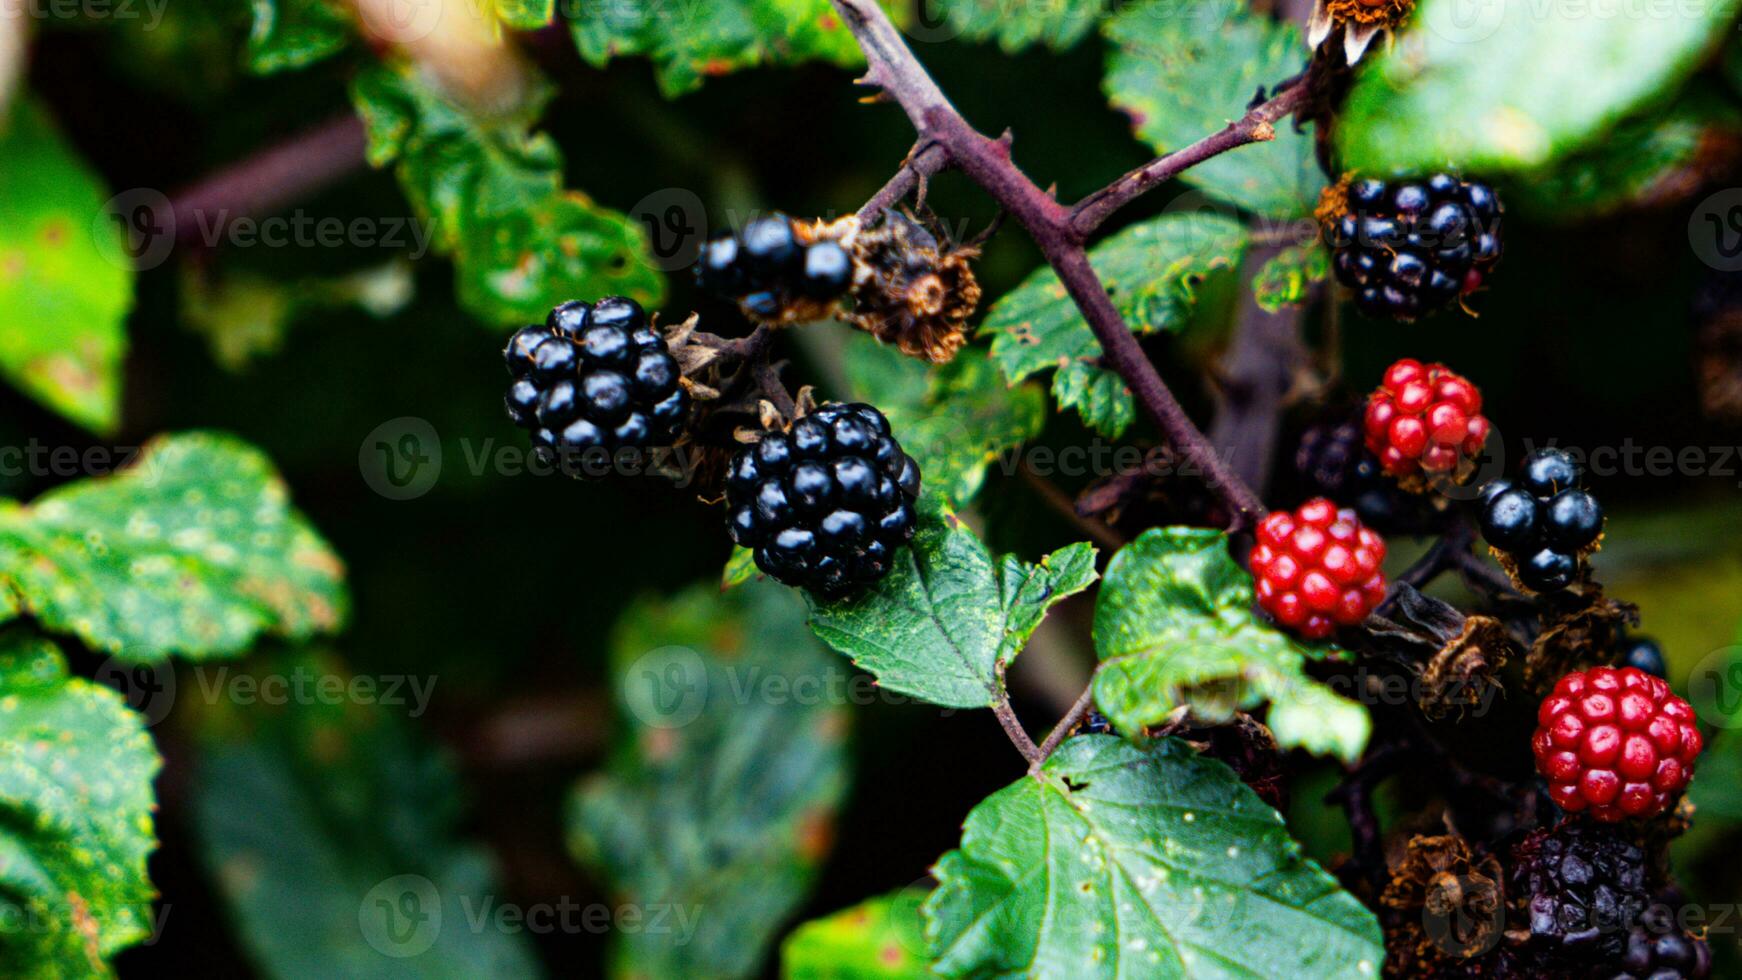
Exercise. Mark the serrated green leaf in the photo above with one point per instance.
(954, 420)
(689, 42)
(1436, 99)
(1155, 270)
(76, 807)
(493, 195)
(1184, 71)
(1058, 24)
(194, 549)
(879, 939)
(1651, 159)
(64, 280)
(720, 797)
(289, 34)
(332, 833)
(1123, 861)
(947, 619)
(1174, 625)
(1287, 279)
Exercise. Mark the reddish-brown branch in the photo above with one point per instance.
(1257, 126)
(921, 165)
(267, 181)
(895, 70)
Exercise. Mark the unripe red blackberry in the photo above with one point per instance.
(1615, 742)
(1424, 420)
(1317, 569)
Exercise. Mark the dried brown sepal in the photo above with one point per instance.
(1577, 637)
(1466, 668)
(911, 290)
(1582, 586)
(1333, 201)
(1451, 907)
(1458, 657)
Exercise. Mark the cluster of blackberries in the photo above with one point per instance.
(1410, 247)
(825, 504)
(766, 267)
(594, 378)
(1545, 523)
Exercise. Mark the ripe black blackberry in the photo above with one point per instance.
(1642, 652)
(1409, 247)
(594, 378)
(774, 267)
(825, 504)
(1543, 524)
(1582, 886)
(1333, 461)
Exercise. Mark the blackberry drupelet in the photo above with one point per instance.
(1545, 523)
(1643, 653)
(1409, 247)
(1661, 951)
(825, 504)
(595, 378)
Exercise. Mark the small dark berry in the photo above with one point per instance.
(617, 311)
(769, 246)
(522, 402)
(519, 353)
(569, 318)
(1548, 570)
(1643, 653)
(828, 270)
(1548, 472)
(1511, 520)
(554, 360)
(1574, 520)
(719, 270)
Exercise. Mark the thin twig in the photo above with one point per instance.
(1013, 729)
(268, 180)
(895, 70)
(1258, 125)
(1072, 719)
(1258, 372)
(1060, 503)
(921, 165)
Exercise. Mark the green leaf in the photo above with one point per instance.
(1058, 24)
(1655, 158)
(1174, 625)
(65, 282)
(1288, 278)
(1123, 861)
(76, 810)
(1185, 71)
(693, 41)
(492, 192)
(947, 619)
(1157, 272)
(879, 939)
(1436, 98)
(193, 549)
(954, 420)
(525, 15)
(332, 833)
(720, 797)
(289, 34)
(740, 568)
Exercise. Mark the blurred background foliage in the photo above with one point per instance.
(507, 590)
